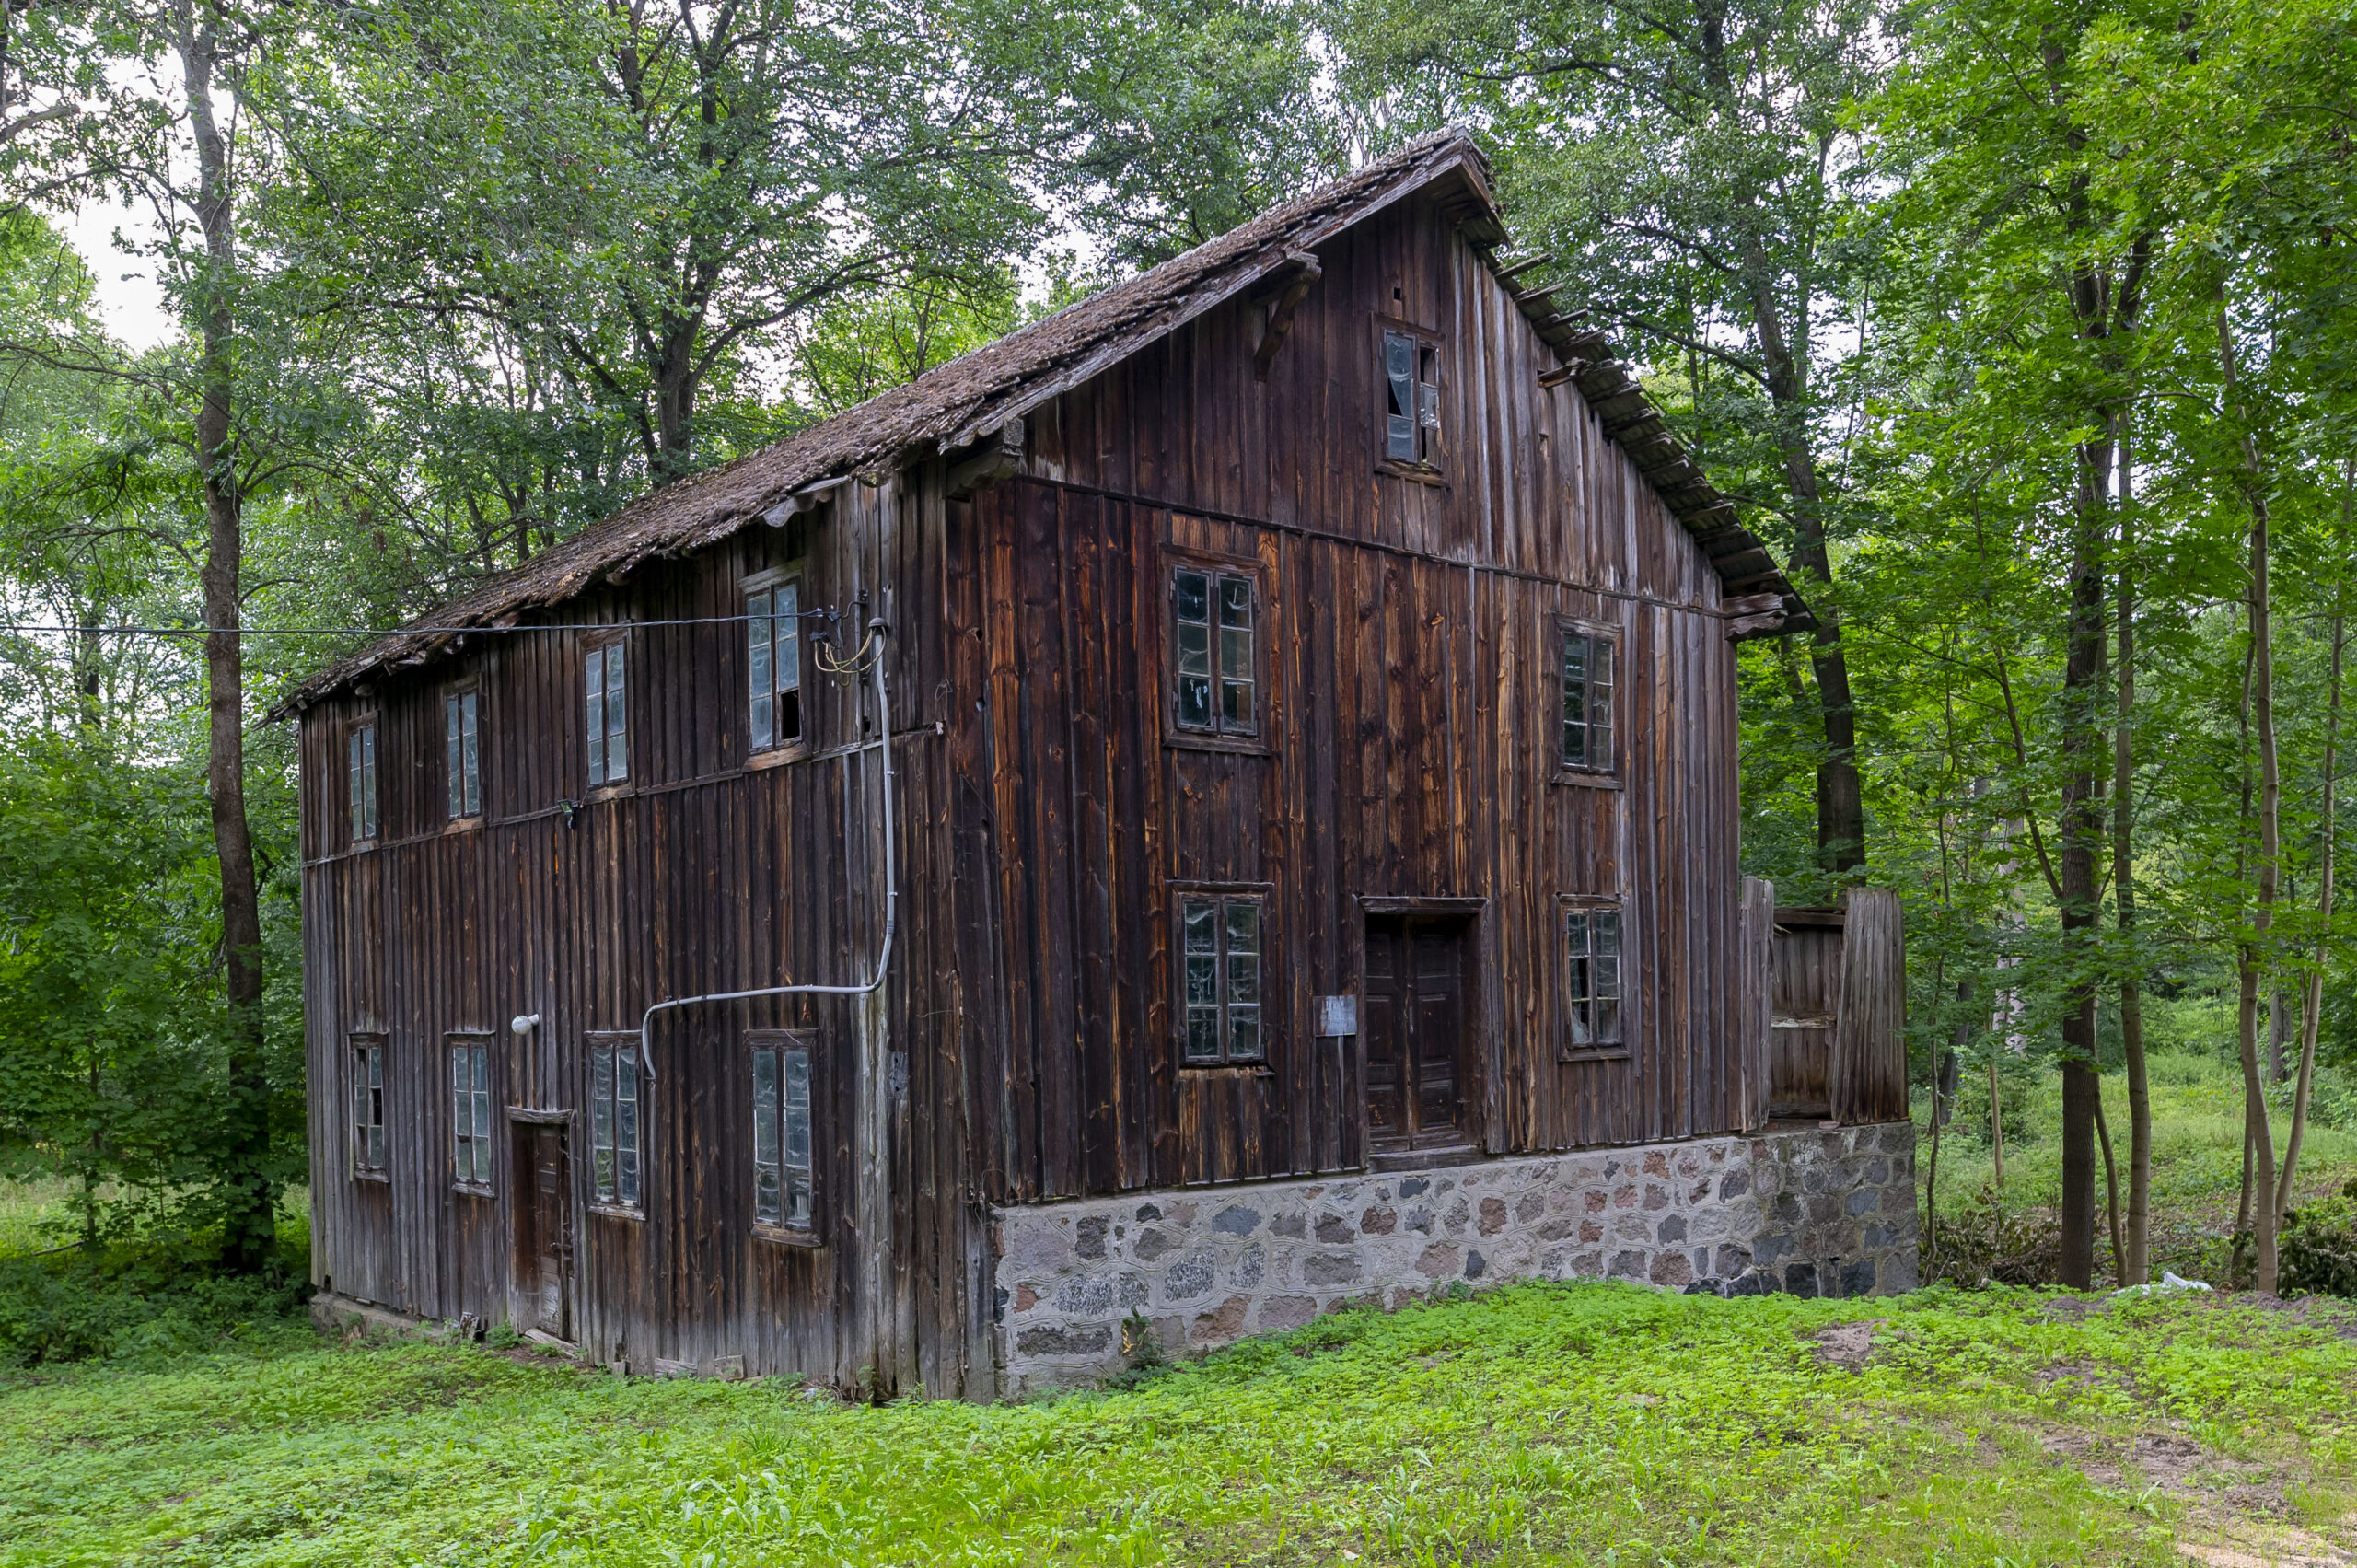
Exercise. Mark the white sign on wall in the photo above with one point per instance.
(1337, 1015)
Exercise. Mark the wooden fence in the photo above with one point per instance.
(1825, 1008)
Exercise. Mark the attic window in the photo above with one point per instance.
(606, 711)
(360, 766)
(461, 743)
(1411, 410)
(773, 656)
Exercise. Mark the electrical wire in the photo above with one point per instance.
(388, 631)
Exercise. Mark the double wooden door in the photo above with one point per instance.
(544, 1229)
(1418, 1008)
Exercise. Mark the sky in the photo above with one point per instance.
(132, 305)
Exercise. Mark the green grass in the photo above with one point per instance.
(2197, 1148)
(33, 1216)
(1594, 1425)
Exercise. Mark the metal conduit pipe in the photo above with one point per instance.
(880, 632)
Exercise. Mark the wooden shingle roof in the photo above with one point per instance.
(975, 395)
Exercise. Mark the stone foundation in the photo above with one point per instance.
(1800, 1209)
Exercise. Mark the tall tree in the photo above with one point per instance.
(155, 110)
(648, 194)
(1685, 164)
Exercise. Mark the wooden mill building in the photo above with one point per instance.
(1308, 676)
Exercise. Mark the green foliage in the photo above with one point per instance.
(2319, 1246)
(111, 1068)
(138, 1303)
(1588, 1425)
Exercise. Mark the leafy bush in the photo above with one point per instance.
(136, 1301)
(2317, 1254)
(1983, 1243)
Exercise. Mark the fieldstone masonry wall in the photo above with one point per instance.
(1816, 1211)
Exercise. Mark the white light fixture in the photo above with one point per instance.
(524, 1023)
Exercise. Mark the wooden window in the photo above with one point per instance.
(368, 1107)
(1588, 680)
(1215, 647)
(471, 1112)
(1594, 1014)
(774, 654)
(607, 715)
(616, 1153)
(786, 1094)
(462, 751)
(1412, 399)
(360, 756)
(1221, 947)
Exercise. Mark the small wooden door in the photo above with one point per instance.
(1415, 1031)
(544, 1229)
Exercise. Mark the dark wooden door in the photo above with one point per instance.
(544, 1229)
(1414, 1031)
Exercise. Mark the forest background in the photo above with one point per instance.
(2023, 328)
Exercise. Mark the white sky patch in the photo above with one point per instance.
(131, 302)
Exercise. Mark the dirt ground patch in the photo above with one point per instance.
(2240, 1504)
(1848, 1345)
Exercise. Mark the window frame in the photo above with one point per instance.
(782, 1041)
(598, 775)
(1573, 1049)
(770, 582)
(484, 1103)
(1254, 572)
(364, 759)
(365, 1049)
(455, 701)
(1606, 775)
(1262, 895)
(623, 1045)
(1429, 350)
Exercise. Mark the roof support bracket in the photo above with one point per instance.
(1305, 272)
(1000, 457)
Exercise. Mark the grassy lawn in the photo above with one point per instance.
(1594, 1424)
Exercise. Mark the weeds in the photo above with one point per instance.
(1539, 1424)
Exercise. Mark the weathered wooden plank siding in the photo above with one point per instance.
(703, 873)
(1409, 702)
(1411, 692)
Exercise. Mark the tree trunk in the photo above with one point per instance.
(1840, 810)
(1996, 1129)
(248, 1195)
(2253, 952)
(2082, 831)
(2111, 1189)
(2312, 997)
(2135, 1266)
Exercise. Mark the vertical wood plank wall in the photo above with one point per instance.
(1412, 733)
(700, 874)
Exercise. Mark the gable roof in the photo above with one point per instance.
(953, 404)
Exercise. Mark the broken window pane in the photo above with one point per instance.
(798, 1161)
(1192, 613)
(368, 1107)
(766, 1206)
(1400, 415)
(1592, 971)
